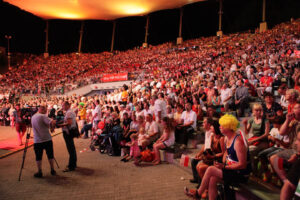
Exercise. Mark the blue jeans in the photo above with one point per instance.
(267, 153)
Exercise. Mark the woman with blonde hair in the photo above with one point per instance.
(291, 96)
(259, 127)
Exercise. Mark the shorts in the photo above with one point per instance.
(168, 143)
(286, 154)
(269, 152)
(39, 147)
(234, 176)
(21, 127)
(293, 174)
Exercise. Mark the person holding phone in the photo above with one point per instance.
(290, 128)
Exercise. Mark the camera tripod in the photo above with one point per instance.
(29, 128)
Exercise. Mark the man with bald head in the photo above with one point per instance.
(42, 139)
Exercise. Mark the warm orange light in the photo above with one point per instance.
(95, 9)
(132, 9)
(67, 15)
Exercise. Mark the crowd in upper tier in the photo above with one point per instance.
(181, 90)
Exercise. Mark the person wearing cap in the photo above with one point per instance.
(270, 107)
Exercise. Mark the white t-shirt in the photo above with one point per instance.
(151, 128)
(119, 97)
(146, 112)
(275, 133)
(69, 115)
(40, 126)
(141, 113)
(283, 101)
(160, 105)
(188, 117)
(98, 111)
(207, 141)
(225, 94)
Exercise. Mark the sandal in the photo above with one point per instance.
(188, 192)
(191, 193)
(204, 195)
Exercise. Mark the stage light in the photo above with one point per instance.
(95, 9)
(66, 15)
(132, 9)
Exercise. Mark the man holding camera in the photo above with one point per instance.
(42, 139)
(69, 123)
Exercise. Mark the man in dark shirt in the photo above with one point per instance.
(270, 107)
(241, 98)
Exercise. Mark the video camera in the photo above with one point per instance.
(27, 113)
(59, 118)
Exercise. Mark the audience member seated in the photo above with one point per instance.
(167, 139)
(235, 167)
(260, 128)
(289, 128)
(188, 125)
(152, 131)
(293, 176)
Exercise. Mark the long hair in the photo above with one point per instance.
(215, 124)
(169, 124)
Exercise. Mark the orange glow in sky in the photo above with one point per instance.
(95, 9)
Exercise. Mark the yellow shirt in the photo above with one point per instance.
(82, 114)
(124, 95)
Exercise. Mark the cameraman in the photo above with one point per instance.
(42, 139)
(20, 123)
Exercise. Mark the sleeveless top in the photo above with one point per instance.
(232, 157)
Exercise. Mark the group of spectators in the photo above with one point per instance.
(181, 90)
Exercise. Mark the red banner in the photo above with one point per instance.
(114, 77)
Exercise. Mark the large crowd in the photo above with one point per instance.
(205, 84)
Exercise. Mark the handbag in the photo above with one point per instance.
(74, 132)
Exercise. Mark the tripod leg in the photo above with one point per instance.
(25, 151)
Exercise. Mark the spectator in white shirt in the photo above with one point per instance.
(226, 95)
(96, 113)
(160, 107)
(152, 131)
(282, 90)
(189, 122)
(147, 109)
